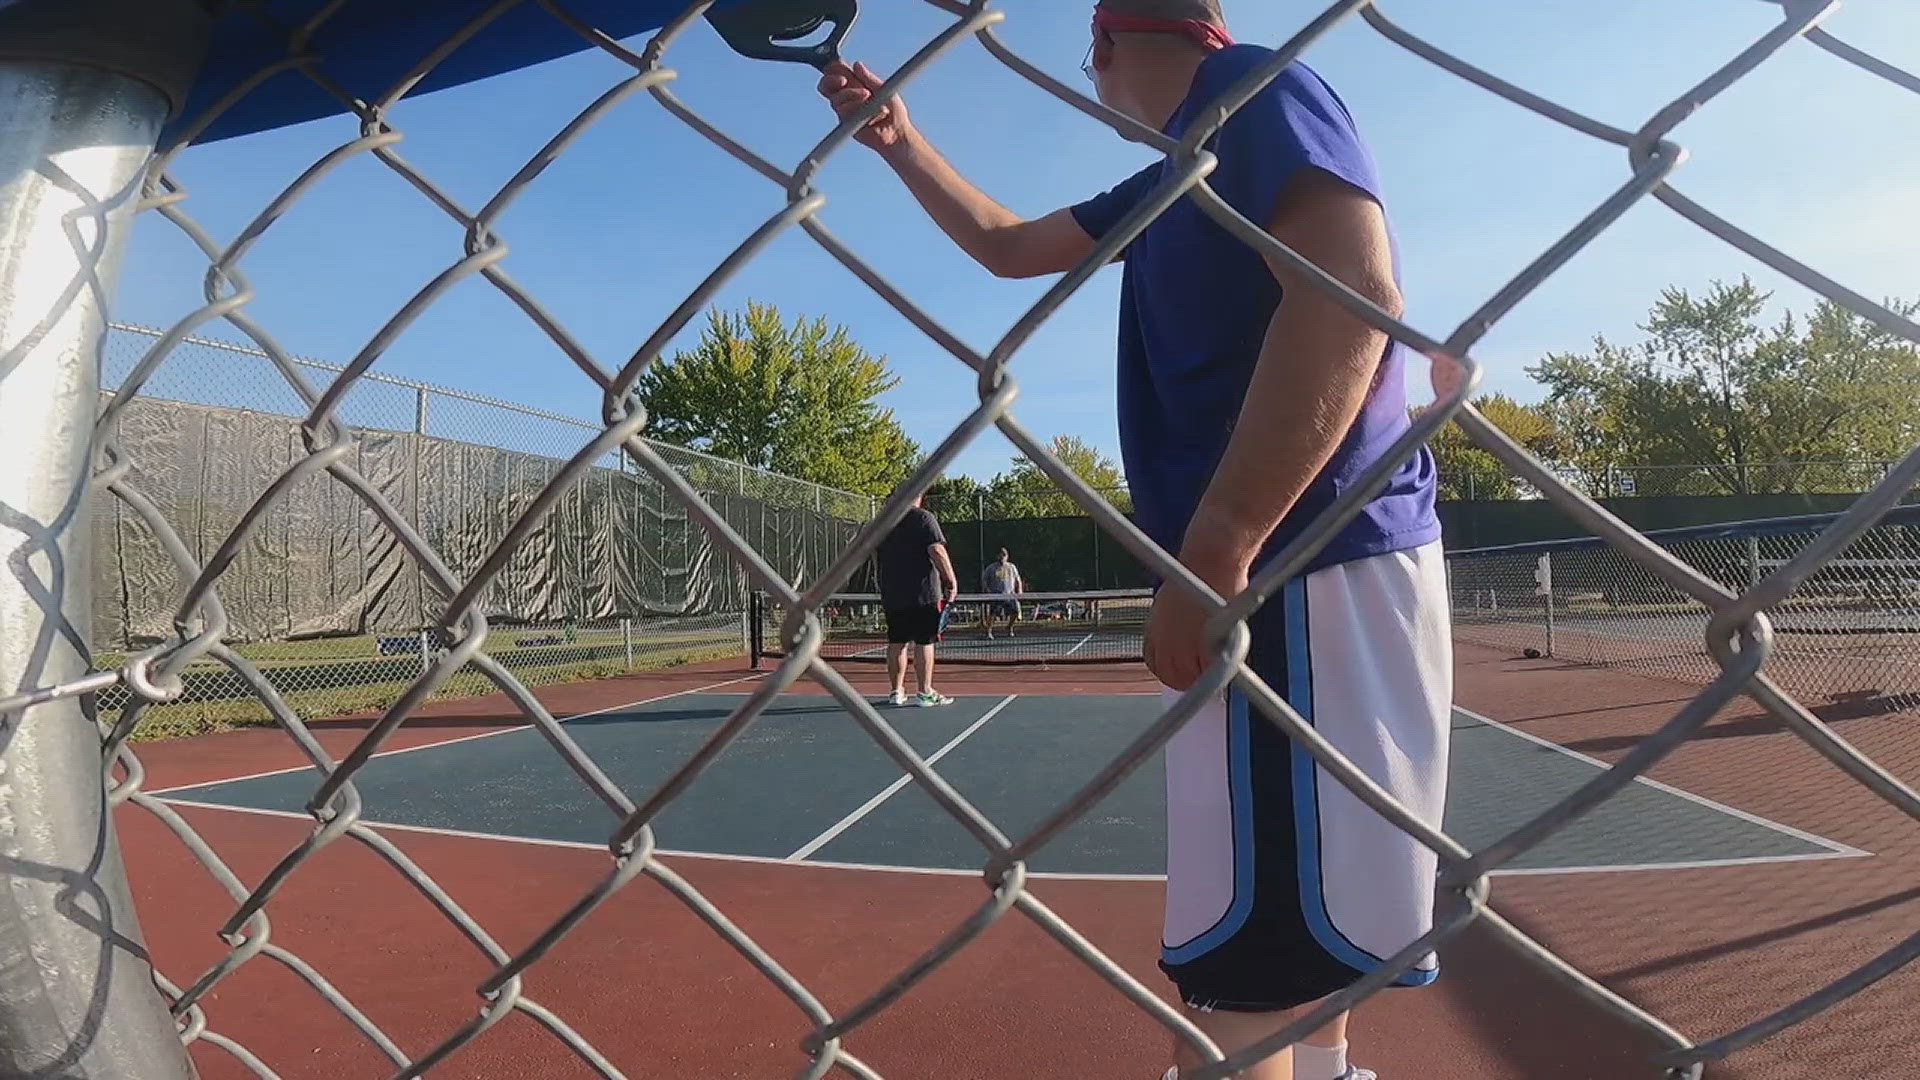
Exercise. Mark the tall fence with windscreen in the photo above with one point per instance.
(618, 577)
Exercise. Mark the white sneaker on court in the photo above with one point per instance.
(931, 698)
(898, 697)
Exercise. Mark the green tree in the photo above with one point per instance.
(1024, 491)
(797, 398)
(1467, 472)
(1710, 386)
(957, 498)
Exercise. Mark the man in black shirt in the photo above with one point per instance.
(916, 580)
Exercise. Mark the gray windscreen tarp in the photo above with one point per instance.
(320, 562)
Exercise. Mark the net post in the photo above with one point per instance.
(84, 91)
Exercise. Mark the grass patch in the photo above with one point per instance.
(190, 718)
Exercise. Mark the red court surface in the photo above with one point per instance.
(649, 984)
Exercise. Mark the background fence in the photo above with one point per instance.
(618, 577)
(1846, 640)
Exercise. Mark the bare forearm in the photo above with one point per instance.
(1315, 367)
(970, 218)
(945, 565)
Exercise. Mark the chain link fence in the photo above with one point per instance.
(617, 578)
(1846, 639)
(1738, 634)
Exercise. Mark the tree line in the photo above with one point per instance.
(1710, 385)
(1713, 388)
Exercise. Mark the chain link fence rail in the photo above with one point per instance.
(1739, 478)
(56, 113)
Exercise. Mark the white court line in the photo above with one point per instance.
(464, 738)
(887, 792)
(948, 871)
(1082, 641)
(1834, 846)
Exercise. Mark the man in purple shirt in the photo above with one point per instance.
(1248, 401)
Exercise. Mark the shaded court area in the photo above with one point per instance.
(812, 841)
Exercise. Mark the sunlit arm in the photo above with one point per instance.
(944, 564)
(1315, 367)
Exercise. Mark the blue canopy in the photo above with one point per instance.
(367, 46)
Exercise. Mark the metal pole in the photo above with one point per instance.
(77, 997)
(626, 632)
(1546, 589)
(980, 527)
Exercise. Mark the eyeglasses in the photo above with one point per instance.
(1086, 65)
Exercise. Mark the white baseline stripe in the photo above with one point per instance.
(464, 738)
(887, 792)
(957, 871)
(1798, 834)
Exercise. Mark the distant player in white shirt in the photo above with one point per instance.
(1002, 578)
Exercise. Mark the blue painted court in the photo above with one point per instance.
(806, 783)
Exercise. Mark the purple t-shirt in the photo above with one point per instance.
(1194, 307)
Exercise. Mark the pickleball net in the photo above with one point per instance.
(67, 213)
(1087, 627)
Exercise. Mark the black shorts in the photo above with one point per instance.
(1004, 609)
(915, 625)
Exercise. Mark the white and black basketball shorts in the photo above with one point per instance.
(1282, 887)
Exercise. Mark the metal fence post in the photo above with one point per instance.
(77, 997)
(980, 527)
(626, 633)
(1543, 574)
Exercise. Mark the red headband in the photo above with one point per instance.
(1201, 32)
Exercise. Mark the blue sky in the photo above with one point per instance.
(1809, 152)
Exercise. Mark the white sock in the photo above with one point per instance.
(1319, 1062)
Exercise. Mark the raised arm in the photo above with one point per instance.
(997, 238)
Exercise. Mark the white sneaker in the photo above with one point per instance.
(1355, 1072)
(931, 698)
(898, 697)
